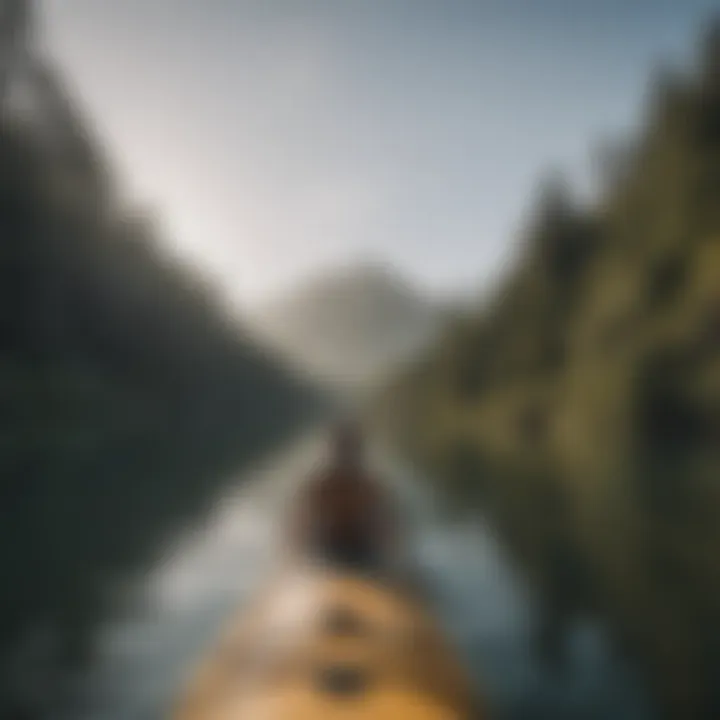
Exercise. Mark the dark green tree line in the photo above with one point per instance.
(128, 398)
(581, 408)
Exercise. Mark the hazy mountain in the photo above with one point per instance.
(351, 325)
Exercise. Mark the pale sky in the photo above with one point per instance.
(274, 137)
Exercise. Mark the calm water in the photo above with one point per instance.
(145, 656)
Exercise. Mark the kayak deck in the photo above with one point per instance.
(322, 645)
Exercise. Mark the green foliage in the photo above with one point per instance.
(581, 409)
(127, 398)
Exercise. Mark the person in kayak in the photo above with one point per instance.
(343, 516)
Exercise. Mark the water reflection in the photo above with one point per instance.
(144, 657)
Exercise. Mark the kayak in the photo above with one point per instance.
(322, 645)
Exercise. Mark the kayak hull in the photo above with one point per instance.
(324, 644)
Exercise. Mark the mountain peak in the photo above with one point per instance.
(351, 323)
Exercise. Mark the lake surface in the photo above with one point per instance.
(145, 656)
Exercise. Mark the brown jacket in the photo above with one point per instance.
(342, 505)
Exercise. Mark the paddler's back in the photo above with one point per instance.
(344, 500)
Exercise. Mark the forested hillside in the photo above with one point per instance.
(581, 409)
(127, 397)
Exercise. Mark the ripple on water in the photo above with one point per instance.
(144, 658)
